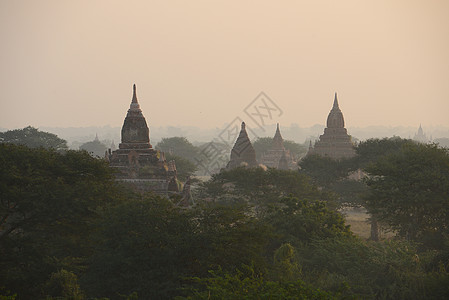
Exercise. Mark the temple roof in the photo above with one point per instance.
(243, 151)
(134, 103)
(278, 141)
(335, 118)
(135, 129)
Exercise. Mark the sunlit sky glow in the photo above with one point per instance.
(199, 63)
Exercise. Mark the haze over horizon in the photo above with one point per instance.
(201, 63)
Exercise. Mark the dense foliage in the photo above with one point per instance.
(184, 167)
(94, 148)
(409, 190)
(33, 138)
(69, 231)
(48, 201)
(178, 146)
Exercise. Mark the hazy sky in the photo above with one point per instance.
(200, 63)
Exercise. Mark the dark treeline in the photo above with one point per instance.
(68, 230)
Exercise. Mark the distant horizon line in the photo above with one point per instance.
(224, 125)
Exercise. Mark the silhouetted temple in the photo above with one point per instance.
(335, 142)
(243, 153)
(136, 161)
(420, 136)
(277, 156)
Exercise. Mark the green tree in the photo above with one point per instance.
(286, 265)
(230, 236)
(261, 188)
(324, 170)
(184, 167)
(442, 142)
(178, 146)
(296, 149)
(94, 148)
(33, 138)
(142, 246)
(48, 201)
(63, 284)
(149, 245)
(249, 284)
(335, 175)
(327, 172)
(382, 270)
(409, 190)
(262, 145)
(371, 150)
(297, 221)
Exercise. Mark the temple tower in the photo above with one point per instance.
(278, 141)
(277, 156)
(135, 132)
(335, 142)
(243, 153)
(136, 161)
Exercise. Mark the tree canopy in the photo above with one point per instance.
(94, 148)
(184, 167)
(70, 231)
(409, 190)
(178, 146)
(47, 202)
(33, 138)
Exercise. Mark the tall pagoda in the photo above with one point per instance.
(243, 153)
(135, 161)
(335, 142)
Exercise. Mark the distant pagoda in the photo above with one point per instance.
(420, 136)
(335, 142)
(277, 156)
(243, 153)
(136, 161)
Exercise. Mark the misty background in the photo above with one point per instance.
(75, 136)
(197, 64)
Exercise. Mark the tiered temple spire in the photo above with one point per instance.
(335, 142)
(278, 141)
(135, 132)
(136, 161)
(335, 118)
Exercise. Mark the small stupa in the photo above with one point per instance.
(272, 158)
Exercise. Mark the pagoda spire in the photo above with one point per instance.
(134, 104)
(134, 94)
(335, 101)
(135, 129)
(278, 141)
(335, 118)
(278, 132)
